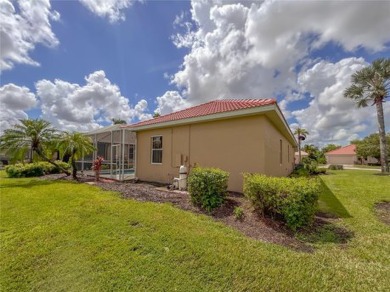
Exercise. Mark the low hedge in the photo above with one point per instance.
(208, 187)
(34, 169)
(294, 200)
(336, 167)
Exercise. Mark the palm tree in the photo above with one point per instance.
(372, 85)
(301, 135)
(30, 135)
(76, 145)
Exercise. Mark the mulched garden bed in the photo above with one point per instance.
(251, 225)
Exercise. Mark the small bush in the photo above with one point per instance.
(292, 199)
(238, 213)
(336, 167)
(34, 169)
(300, 171)
(208, 187)
(26, 170)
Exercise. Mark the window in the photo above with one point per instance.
(281, 151)
(288, 153)
(157, 149)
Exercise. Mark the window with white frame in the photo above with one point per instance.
(157, 149)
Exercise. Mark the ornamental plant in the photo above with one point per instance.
(97, 167)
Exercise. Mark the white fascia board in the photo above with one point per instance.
(212, 117)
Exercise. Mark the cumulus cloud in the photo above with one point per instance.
(75, 107)
(331, 118)
(252, 50)
(263, 49)
(171, 101)
(23, 25)
(14, 102)
(110, 9)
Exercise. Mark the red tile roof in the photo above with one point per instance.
(346, 150)
(210, 108)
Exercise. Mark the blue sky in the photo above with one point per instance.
(80, 63)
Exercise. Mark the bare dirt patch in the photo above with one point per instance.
(382, 210)
(251, 224)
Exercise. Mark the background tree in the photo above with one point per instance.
(315, 153)
(301, 136)
(330, 147)
(372, 85)
(75, 145)
(118, 121)
(30, 135)
(156, 115)
(370, 146)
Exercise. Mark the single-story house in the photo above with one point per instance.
(347, 156)
(237, 136)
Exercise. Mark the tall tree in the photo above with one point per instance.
(301, 136)
(30, 135)
(372, 85)
(75, 145)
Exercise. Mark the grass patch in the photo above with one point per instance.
(63, 236)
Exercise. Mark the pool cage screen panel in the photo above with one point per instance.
(117, 146)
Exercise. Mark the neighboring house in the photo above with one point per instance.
(347, 155)
(303, 154)
(235, 135)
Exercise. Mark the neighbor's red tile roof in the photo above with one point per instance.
(346, 150)
(213, 107)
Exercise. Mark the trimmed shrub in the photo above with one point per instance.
(26, 170)
(208, 187)
(294, 200)
(34, 169)
(336, 167)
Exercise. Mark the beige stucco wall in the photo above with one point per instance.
(247, 144)
(341, 159)
(276, 145)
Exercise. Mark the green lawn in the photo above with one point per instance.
(59, 236)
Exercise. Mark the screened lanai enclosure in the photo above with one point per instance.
(116, 144)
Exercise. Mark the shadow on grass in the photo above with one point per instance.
(27, 184)
(382, 174)
(329, 205)
(323, 231)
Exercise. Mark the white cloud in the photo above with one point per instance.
(14, 102)
(23, 28)
(75, 107)
(110, 9)
(251, 51)
(331, 118)
(254, 49)
(171, 101)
